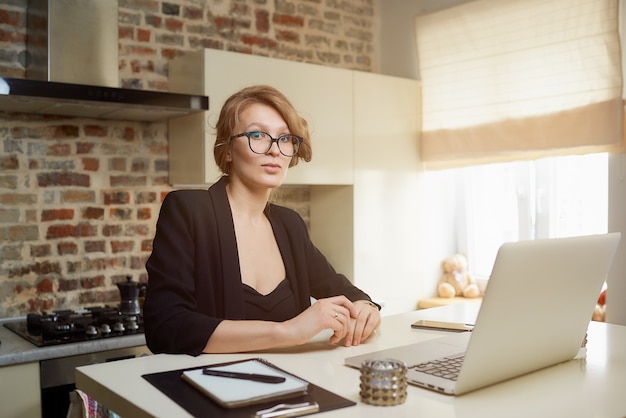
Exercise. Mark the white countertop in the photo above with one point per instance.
(16, 350)
(589, 387)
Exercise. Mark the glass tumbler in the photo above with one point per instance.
(383, 382)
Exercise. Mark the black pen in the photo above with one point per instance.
(264, 378)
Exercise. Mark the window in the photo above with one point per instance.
(547, 198)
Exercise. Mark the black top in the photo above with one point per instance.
(278, 305)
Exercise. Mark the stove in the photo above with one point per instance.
(71, 326)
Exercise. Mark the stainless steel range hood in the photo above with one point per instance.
(51, 98)
(72, 68)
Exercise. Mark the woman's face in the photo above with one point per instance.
(258, 170)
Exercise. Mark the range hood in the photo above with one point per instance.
(80, 100)
(72, 68)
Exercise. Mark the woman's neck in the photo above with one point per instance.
(245, 202)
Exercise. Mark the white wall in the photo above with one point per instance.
(398, 53)
(398, 57)
(616, 284)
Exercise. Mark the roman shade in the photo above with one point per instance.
(519, 79)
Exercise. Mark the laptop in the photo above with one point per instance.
(534, 314)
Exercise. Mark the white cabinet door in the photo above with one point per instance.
(20, 393)
(387, 189)
(323, 95)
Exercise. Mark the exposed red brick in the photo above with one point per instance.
(153, 20)
(141, 230)
(129, 134)
(40, 304)
(262, 21)
(259, 41)
(9, 162)
(40, 250)
(143, 214)
(73, 196)
(123, 214)
(91, 164)
(287, 36)
(58, 178)
(112, 230)
(66, 231)
(45, 286)
(84, 147)
(22, 233)
(9, 18)
(192, 13)
(96, 130)
(65, 131)
(145, 197)
(146, 245)
(59, 150)
(143, 35)
(66, 285)
(99, 297)
(116, 198)
(122, 246)
(289, 20)
(40, 269)
(92, 282)
(125, 32)
(174, 25)
(138, 262)
(66, 248)
(95, 246)
(56, 214)
(93, 213)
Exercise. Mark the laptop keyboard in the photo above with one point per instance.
(446, 367)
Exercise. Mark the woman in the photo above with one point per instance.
(230, 272)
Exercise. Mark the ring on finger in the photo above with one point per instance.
(335, 315)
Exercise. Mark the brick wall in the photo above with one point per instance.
(79, 197)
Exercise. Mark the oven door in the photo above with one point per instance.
(58, 381)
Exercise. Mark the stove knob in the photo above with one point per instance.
(132, 325)
(91, 331)
(118, 327)
(105, 329)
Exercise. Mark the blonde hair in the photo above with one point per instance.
(235, 104)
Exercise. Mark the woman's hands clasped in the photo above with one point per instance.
(350, 322)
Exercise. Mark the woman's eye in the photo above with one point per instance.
(256, 135)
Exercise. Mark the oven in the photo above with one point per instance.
(57, 376)
(89, 325)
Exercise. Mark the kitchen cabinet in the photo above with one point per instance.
(19, 390)
(371, 229)
(323, 95)
(365, 176)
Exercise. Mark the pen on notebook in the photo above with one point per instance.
(245, 376)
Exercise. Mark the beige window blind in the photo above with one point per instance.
(519, 79)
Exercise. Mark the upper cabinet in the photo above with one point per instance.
(323, 95)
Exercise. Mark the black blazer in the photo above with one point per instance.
(194, 274)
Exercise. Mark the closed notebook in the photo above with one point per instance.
(230, 393)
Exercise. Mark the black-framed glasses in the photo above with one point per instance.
(260, 142)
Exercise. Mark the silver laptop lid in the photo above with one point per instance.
(536, 307)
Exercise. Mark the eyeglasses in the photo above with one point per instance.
(261, 142)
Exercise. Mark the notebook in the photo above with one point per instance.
(230, 393)
(534, 314)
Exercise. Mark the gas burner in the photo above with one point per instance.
(69, 326)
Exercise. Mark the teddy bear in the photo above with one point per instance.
(455, 280)
(599, 312)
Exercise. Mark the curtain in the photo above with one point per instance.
(519, 79)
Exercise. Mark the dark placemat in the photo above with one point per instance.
(199, 405)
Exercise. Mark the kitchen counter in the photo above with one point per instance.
(16, 350)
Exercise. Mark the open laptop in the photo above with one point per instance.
(534, 314)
